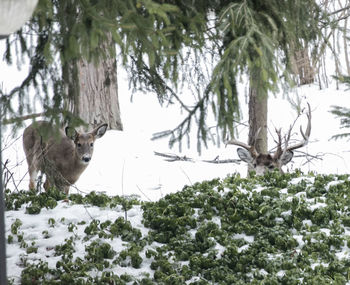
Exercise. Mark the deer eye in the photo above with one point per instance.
(271, 167)
(79, 144)
(91, 144)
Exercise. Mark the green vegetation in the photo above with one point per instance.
(163, 44)
(275, 229)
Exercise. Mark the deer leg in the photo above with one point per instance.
(66, 189)
(47, 184)
(33, 173)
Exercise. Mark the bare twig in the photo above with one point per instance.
(216, 160)
(309, 157)
(143, 193)
(8, 175)
(340, 10)
(175, 157)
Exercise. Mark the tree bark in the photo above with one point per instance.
(91, 88)
(345, 42)
(257, 113)
(302, 66)
(98, 101)
(93, 97)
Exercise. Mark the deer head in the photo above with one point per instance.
(261, 162)
(84, 142)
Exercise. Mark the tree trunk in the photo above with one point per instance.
(257, 113)
(97, 100)
(302, 66)
(92, 89)
(345, 42)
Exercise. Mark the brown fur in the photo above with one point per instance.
(61, 156)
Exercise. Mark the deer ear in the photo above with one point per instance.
(287, 157)
(100, 131)
(71, 133)
(244, 155)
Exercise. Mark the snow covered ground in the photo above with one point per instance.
(124, 162)
(297, 217)
(61, 216)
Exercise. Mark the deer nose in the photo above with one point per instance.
(86, 158)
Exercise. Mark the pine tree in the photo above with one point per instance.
(63, 34)
(261, 40)
(162, 44)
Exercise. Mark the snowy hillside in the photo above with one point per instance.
(124, 162)
(273, 229)
(289, 229)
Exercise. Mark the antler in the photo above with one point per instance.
(279, 152)
(305, 135)
(250, 148)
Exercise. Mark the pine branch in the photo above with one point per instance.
(340, 136)
(177, 134)
(157, 82)
(344, 114)
(22, 118)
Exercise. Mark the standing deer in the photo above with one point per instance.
(262, 162)
(62, 155)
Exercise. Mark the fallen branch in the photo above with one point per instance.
(218, 161)
(175, 157)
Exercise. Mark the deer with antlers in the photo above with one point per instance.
(262, 162)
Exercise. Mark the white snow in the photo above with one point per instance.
(249, 239)
(124, 162)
